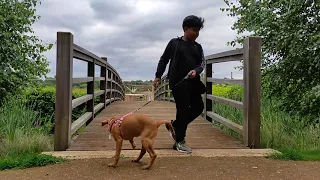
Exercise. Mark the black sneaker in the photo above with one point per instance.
(170, 134)
(182, 147)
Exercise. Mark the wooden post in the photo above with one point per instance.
(208, 102)
(152, 93)
(111, 87)
(252, 90)
(108, 84)
(90, 90)
(165, 95)
(103, 73)
(63, 104)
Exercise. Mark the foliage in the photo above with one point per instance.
(279, 130)
(43, 101)
(21, 56)
(233, 92)
(291, 53)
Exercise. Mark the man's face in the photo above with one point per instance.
(192, 33)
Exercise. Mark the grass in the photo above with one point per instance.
(21, 139)
(291, 154)
(27, 160)
(287, 134)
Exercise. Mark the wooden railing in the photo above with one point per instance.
(251, 56)
(111, 88)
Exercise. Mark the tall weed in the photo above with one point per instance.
(20, 131)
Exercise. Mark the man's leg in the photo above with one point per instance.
(197, 106)
(182, 101)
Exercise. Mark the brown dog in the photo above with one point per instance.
(134, 125)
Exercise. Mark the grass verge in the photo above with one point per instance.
(27, 160)
(23, 136)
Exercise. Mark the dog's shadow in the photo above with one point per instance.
(126, 161)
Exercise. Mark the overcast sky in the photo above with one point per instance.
(133, 33)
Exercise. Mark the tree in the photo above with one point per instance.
(21, 51)
(290, 48)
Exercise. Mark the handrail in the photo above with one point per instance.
(111, 88)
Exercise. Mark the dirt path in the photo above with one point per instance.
(174, 168)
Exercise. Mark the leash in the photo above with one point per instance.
(141, 107)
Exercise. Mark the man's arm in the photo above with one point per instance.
(164, 59)
(201, 66)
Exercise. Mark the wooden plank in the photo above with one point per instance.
(99, 78)
(252, 91)
(98, 93)
(98, 107)
(80, 122)
(230, 102)
(79, 50)
(79, 55)
(80, 100)
(201, 134)
(63, 106)
(234, 126)
(81, 80)
(225, 81)
(232, 55)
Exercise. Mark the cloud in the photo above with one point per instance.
(133, 33)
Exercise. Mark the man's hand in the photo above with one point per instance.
(156, 82)
(192, 74)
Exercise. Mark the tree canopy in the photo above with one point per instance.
(21, 58)
(291, 56)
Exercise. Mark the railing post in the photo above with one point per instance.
(90, 90)
(108, 85)
(208, 102)
(252, 90)
(103, 86)
(63, 106)
(111, 87)
(165, 95)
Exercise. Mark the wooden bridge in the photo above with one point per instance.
(201, 133)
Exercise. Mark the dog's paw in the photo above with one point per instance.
(146, 167)
(112, 165)
(135, 161)
(134, 146)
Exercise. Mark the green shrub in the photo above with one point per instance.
(43, 101)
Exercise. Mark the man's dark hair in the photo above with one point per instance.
(193, 21)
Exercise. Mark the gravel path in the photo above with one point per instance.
(173, 168)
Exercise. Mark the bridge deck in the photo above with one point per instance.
(200, 134)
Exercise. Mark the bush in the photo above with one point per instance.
(43, 101)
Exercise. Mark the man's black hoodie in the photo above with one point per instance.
(189, 56)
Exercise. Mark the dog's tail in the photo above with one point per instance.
(168, 125)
